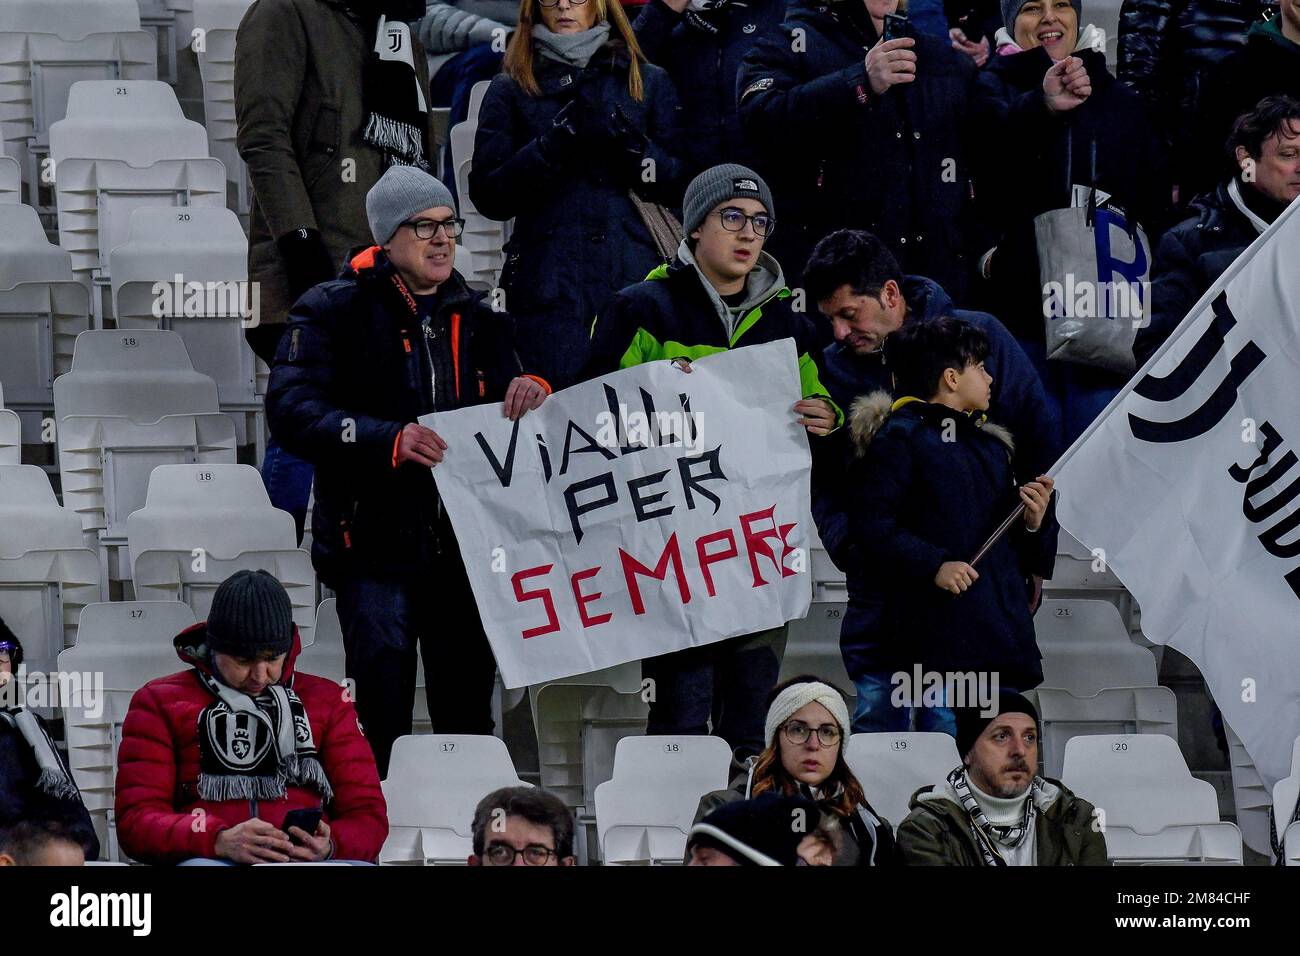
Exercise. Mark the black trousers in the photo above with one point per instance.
(382, 622)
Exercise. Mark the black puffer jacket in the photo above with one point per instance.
(1268, 66)
(1168, 47)
(838, 156)
(703, 67)
(352, 370)
(1191, 256)
(578, 237)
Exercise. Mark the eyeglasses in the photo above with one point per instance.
(797, 732)
(503, 854)
(428, 228)
(556, 3)
(733, 220)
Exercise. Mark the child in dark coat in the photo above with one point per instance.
(934, 481)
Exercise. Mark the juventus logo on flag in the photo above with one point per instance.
(394, 40)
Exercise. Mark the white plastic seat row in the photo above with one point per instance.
(11, 180)
(11, 434)
(123, 146)
(1286, 793)
(130, 403)
(219, 22)
(42, 310)
(46, 575)
(129, 644)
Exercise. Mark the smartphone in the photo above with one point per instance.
(896, 27)
(307, 820)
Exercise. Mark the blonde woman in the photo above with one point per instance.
(576, 121)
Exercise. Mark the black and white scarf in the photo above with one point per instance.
(704, 14)
(396, 109)
(250, 748)
(54, 778)
(988, 835)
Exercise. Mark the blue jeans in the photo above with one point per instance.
(288, 482)
(718, 681)
(875, 713)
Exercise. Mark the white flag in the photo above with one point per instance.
(1190, 485)
(643, 512)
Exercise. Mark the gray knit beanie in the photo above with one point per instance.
(716, 185)
(1011, 10)
(251, 615)
(400, 193)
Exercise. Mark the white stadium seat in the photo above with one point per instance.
(46, 575)
(480, 253)
(219, 20)
(1079, 573)
(131, 402)
(201, 245)
(1115, 710)
(434, 783)
(11, 180)
(42, 310)
(892, 767)
(113, 157)
(1250, 795)
(324, 656)
(1143, 788)
(1086, 647)
(11, 434)
(202, 523)
(130, 644)
(644, 813)
(48, 45)
(1286, 803)
(579, 722)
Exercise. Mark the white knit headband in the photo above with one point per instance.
(797, 696)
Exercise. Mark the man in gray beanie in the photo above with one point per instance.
(400, 335)
(721, 292)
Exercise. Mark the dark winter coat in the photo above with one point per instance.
(1018, 400)
(157, 799)
(938, 831)
(1191, 257)
(22, 800)
(1168, 48)
(1041, 153)
(298, 100)
(837, 155)
(577, 237)
(703, 67)
(1269, 65)
(355, 367)
(673, 315)
(931, 486)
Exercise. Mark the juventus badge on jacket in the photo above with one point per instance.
(749, 27)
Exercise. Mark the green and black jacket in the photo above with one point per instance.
(675, 313)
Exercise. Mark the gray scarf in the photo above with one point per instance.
(571, 49)
(54, 779)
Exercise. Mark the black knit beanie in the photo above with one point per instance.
(251, 615)
(971, 721)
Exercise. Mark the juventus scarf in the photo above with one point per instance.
(250, 748)
(396, 110)
(989, 835)
(54, 779)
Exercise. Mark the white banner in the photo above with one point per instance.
(643, 512)
(1188, 486)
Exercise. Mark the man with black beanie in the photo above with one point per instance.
(328, 95)
(240, 759)
(769, 830)
(994, 809)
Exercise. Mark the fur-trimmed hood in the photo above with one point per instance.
(868, 414)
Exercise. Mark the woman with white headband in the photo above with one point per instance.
(806, 730)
